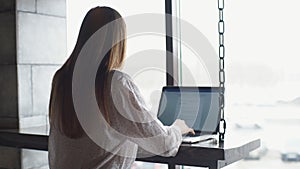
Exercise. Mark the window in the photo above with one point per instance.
(262, 72)
(197, 65)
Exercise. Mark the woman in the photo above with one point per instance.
(69, 144)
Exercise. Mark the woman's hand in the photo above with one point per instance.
(183, 127)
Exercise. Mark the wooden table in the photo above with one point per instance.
(213, 156)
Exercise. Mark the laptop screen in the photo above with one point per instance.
(197, 106)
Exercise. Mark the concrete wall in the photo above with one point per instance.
(32, 48)
(41, 49)
(8, 69)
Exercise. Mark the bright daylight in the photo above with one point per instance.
(183, 84)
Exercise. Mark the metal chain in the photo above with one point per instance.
(221, 29)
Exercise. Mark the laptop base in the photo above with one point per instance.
(203, 138)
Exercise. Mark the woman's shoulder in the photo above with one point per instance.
(120, 75)
(121, 78)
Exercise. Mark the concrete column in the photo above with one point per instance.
(32, 48)
(9, 157)
(8, 66)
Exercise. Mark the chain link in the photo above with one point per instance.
(221, 29)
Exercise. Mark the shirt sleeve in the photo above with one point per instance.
(139, 125)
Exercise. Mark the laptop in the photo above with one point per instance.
(197, 106)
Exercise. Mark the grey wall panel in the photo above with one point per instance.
(26, 5)
(25, 91)
(53, 7)
(42, 80)
(41, 39)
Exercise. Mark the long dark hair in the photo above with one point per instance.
(61, 106)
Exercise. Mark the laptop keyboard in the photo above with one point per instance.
(192, 135)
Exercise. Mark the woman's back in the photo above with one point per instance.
(84, 153)
(135, 125)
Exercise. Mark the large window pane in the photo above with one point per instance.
(262, 96)
(203, 15)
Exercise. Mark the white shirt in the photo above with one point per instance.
(130, 117)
